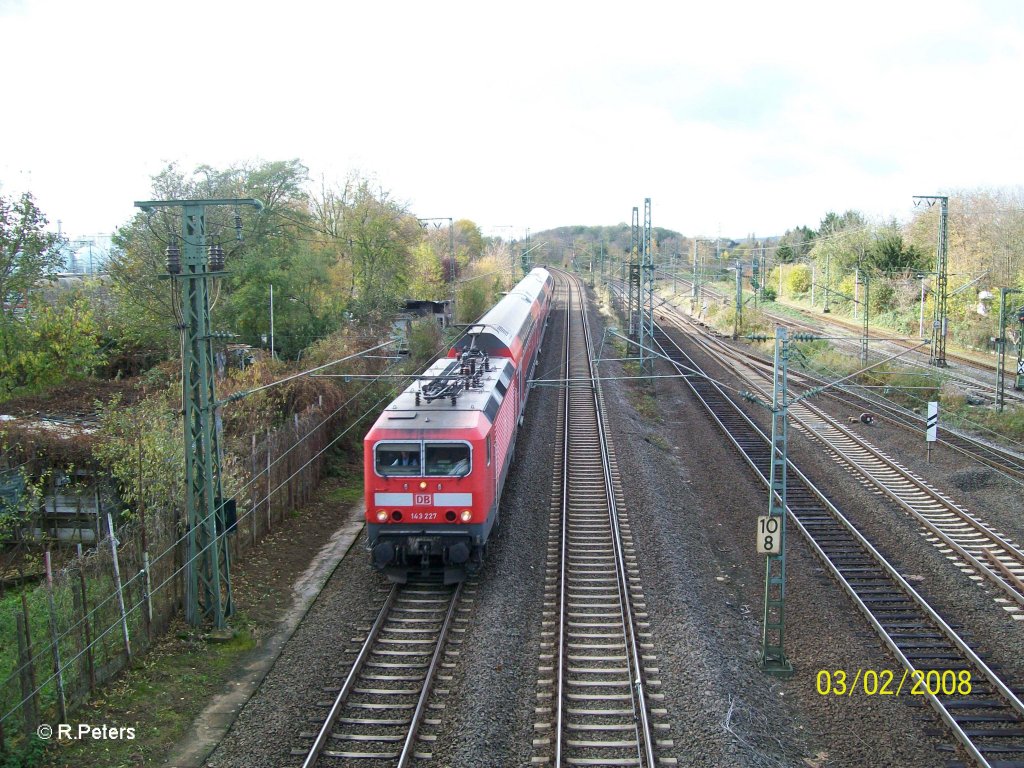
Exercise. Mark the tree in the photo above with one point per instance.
(798, 241)
(469, 242)
(273, 239)
(889, 254)
(784, 254)
(798, 280)
(834, 223)
(426, 280)
(52, 345)
(28, 253)
(380, 233)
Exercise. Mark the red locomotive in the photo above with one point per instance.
(436, 459)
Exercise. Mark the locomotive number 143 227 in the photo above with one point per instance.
(423, 516)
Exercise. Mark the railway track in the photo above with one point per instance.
(597, 679)
(1005, 461)
(988, 720)
(376, 716)
(986, 555)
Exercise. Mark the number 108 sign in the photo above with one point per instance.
(769, 534)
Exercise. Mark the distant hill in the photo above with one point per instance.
(562, 241)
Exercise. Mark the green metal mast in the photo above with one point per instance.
(1001, 349)
(1018, 382)
(208, 584)
(695, 283)
(939, 322)
(737, 319)
(647, 293)
(772, 658)
(634, 277)
(867, 317)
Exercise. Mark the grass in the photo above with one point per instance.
(350, 482)
(100, 590)
(159, 696)
(26, 755)
(659, 442)
(643, 402)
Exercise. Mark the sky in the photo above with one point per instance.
(733, 117)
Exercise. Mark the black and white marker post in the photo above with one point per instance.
(931, 433)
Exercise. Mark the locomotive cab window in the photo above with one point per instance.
(397, 458)
(449, 459)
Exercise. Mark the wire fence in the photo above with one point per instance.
(83, 625)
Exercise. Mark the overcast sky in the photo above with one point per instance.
(734, 117)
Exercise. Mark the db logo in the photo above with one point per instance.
(422, 498)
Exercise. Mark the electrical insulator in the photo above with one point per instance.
(238, 226)
(216, 258)
(173, 254)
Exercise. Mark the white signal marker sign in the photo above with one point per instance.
(932, 423)
(769, 534)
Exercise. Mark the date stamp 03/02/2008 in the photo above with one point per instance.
(886, 682)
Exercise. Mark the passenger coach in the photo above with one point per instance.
(436, 459)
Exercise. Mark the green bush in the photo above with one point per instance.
(473, 300)
(52, 345)
(797, 279)
(425, 341)
(882, 295)
(27, 755)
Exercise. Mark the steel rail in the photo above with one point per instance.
(588, 389)
(421, 705)
(563, 555)
(324, 734)
(1003, 460)
(964, 376)
(369, 648)
(644, 735)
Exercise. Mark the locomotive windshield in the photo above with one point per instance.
(451, 459)
(397, 458)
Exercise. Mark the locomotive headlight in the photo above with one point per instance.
(423, 484)
(382, 515)
(467, 515)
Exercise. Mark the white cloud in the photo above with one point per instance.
(734, 118)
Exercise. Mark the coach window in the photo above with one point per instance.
(397, 458)
(451, 459)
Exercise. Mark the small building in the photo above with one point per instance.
(417, 309)
(441, 311)
(71, 497)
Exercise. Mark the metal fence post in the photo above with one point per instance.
(90, 664)
(120, 592)
(62, 704)
(28, 689)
